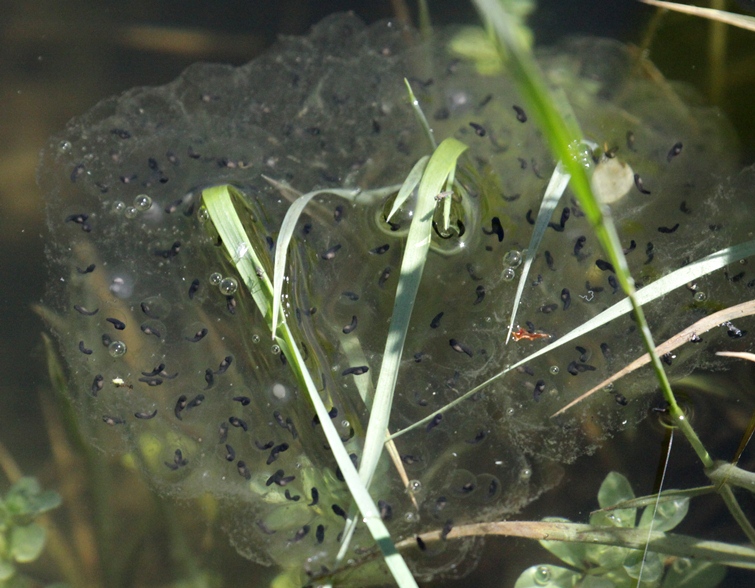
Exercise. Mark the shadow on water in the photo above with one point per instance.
(59, 59)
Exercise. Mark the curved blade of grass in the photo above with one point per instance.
(219, 204)
(564, 137)
(441, 165)
(419, 113)
(553, 192)
(411, 182)
(665, 496)
(284, 238)
(737, 20)
(653, 291)
(684, 336)
(289, 225)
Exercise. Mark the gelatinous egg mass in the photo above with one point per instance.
(169, 358)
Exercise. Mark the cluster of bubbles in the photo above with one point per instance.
(511, 261)
(142, 203)
(227, 285)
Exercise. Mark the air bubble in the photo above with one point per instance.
(64, 146)
(681, 565)
(414, 486)
(275, 349)
(508, 274)
(131, 212)
(513, 258)
(255, 339)
(203, 214)
(142, 202)
(510, 412)
(525, 474)
(117, 348)
(215, 278)
(542, 575)
(119, 206)
(701, 296)
(411, 517)
(554, 369)
(228, 286)
(345, 424)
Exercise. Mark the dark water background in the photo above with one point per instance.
(58, 59)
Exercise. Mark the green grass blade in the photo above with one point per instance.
(439, 168)
(653, 291)
(219, 203)
(410, 183)
(564, 138)
(441, 164)
(419, 113)
(284, 239)
(553, 192)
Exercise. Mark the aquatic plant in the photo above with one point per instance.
(171, 357)
(22, 538)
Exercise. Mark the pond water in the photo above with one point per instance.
(52, 79)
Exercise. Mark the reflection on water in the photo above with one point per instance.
(58, 80)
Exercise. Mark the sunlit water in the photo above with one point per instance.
(151, 230)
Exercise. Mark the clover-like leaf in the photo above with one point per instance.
(688, 573)
(667, 516)
(7, 569)
(573, 554)
(26, 542)
(546, 576)
(614, 489)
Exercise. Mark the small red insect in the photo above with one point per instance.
(520, 334)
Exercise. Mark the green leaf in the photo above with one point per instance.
(555, 189)
(26, 542)
(7, 569)
(45, 501)
(571, 553)
(411, 182)
(219, 204)
(546, 576)
(667, 516)
(650, 565)
(442, 164)
(614, 489)
(690, 573)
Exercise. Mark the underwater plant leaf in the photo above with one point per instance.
(547, 576)
(738, 20)
(614, 489)
(667, 516)
(648, 567)
(690, 573)
(26, 542)
(7, 569)
(574, 554)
